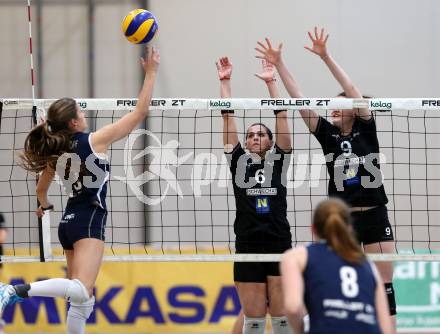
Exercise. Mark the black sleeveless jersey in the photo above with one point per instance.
(260, 195)
(353, 162)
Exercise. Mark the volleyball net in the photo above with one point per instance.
(170, 194)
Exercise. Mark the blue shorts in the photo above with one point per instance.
(80, 222)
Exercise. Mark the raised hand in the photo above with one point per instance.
(268, 72)
(224, 68)
(151, 60)
(268, 53)
(319, 43)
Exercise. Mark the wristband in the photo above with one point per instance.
(270, 80)
(222, 79)
(50, 207)
(224, 111)
(276, 112)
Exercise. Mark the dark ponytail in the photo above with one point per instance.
(46, 142)
(332, 223)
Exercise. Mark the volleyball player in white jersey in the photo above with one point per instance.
(351, 134)
(261, 225)
(81, 230)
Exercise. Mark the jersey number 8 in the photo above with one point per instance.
(349, 285)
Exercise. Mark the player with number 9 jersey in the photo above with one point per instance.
(350, 144)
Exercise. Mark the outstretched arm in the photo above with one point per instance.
(230, 137)
(319, 48)
(105, 136)
(282, 133)
(273, 55)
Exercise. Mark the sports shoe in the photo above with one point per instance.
(14, 299)
(7, 296)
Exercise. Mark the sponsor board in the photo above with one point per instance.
(187, 297)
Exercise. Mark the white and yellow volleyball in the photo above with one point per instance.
(139, 26)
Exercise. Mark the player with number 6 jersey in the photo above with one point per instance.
(259, 179)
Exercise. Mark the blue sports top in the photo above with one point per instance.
(339, 295)
(91, 184)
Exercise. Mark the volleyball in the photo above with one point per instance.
(139, 26)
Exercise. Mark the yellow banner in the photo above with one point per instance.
(133, 297)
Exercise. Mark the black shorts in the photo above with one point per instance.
(80, 222)
(372, 226)
(257, 272)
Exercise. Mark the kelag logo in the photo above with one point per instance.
(222, 104)
(381, 104)
(185, 300)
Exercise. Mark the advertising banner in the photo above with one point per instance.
(187, 297)
(134, 297)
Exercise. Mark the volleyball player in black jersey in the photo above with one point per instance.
(261, 226)
(351, 147)
(81, 230)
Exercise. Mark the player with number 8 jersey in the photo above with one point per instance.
(333, 280)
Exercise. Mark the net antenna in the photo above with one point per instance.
(181, 170)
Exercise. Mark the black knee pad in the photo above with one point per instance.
(389, 289)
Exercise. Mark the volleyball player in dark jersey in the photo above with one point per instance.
(81, 230)
(261, 226)
(333, 280)
(351, 147)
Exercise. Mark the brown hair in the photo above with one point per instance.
(332, 221)
(269, 132)
(46, 142)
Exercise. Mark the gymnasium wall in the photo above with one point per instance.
(390, 48)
